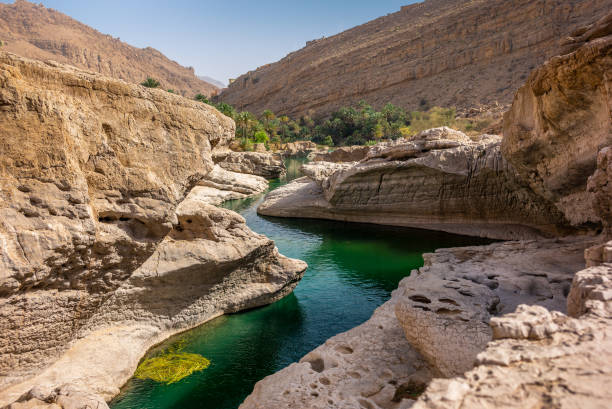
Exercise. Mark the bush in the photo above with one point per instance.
(202, 98)
(150, 83)
(261, 137)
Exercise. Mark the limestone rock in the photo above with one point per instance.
(431, 53)
(298, 149)
(370, 366)
(600, 187)
(446, 306)
(558, 123)
(106, 240)
(267, 165)
(441, 180)
(221, 185)
(342, 154)
(541, 358)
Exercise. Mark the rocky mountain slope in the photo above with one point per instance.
(439, 52)
(33, 31)
(108, 233)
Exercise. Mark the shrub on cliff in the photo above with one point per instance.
(150, 83)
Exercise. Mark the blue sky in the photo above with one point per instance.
(220, 38)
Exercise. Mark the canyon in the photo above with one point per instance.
(109, 234)
(34, 31)
(439, 52)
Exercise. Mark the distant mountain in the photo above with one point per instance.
(213, 81)
(35, 31)
(459, 53)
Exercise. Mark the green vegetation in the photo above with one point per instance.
(171, 91)
(360, 125)
(2, 43)
(150, 83)
(171, 367)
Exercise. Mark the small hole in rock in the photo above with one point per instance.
(420, 298)
(317, 365)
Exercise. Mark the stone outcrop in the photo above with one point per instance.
(299, 149)
(105, 237)
(559, 121)
(440, 180)
(221, 185)
(267, 165)
(437, 52)
(34, 31)
(446, 306)
(541, 358)
(370, 366)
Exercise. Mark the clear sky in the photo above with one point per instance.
(220, 38)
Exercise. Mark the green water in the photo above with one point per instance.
(352, 270)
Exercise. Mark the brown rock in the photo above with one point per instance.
(558, 123)
(437, 52)
(264, 164)
(342, 154)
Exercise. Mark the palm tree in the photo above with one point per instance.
(284, 120)
(150, 83)
(244, 121)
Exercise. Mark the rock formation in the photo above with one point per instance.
(541, 358)
(558, 123)
(33, 31)
(106, 238)
(267, 165)
(438, 52)
(341, 154)
(440, 180)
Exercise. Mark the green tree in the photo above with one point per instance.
(261, 137)
(202, 98)
(150, 83)
(328, 141)
(244, 124)
(171, 91)
(226, 109)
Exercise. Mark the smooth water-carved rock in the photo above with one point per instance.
(341, 154)
(221, 185)
(107, 247)
(439, 180)
(267, 165)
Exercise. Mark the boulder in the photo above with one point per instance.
(342, 154)
(267, 165)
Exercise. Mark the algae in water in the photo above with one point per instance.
(171, 367)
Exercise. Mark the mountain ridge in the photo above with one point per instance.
(34, 31)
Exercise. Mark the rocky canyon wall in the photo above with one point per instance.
(109, 240)
(438, 52)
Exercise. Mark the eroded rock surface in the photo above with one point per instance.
(107, 245)
(267, 165)
(446, 306)
(341, 154)
(370, 366)
(541, 358)
(558, 123)
(221, 185)
(441, 180)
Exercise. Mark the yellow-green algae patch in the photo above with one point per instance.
(171, 367)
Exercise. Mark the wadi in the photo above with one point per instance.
(412, 213)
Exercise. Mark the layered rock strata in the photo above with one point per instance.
(105, 240)
(437, 52)
(267, 165)
(441, 180)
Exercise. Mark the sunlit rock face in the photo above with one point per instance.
(440, 180)
(109, 244)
